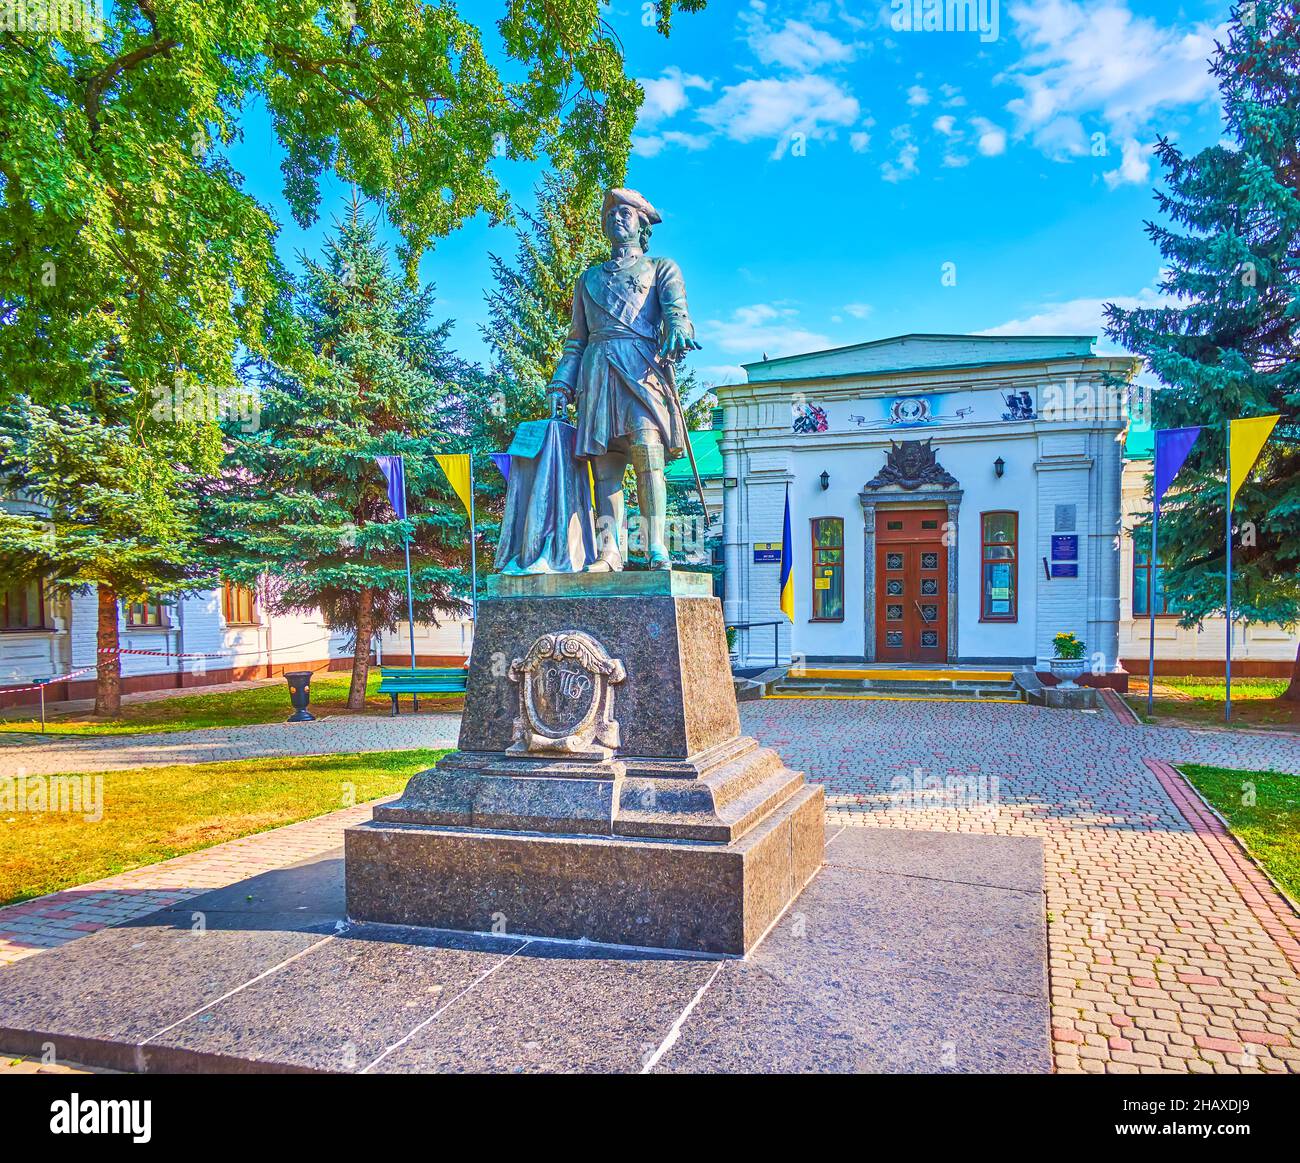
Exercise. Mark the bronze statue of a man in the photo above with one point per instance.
(630, 326)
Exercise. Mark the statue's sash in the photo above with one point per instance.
(622, 293)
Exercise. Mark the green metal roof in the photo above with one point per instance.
(1139, 443)
(1139, 436)
(708, 457)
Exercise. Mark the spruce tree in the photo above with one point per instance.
(110, 500)
(1227, 348)
(530, 306)
(302, 499)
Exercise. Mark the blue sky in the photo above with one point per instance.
(817, 166)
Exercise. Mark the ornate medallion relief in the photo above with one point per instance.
(566, 697)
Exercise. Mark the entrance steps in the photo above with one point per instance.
(951, 684)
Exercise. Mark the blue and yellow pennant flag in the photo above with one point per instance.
(787, 563)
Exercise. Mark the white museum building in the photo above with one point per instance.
(953, 499)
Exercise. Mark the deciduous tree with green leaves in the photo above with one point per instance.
(301, 498)
(1228, 347)
(125, 232)
(122, 222)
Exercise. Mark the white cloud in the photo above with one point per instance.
(774, 109)
(903, 167)
(945, 124)
(918, 95)
(650, 145)
(954, 161)
(796, 45)
(1078, 317)
(1103, 63)
(1134, 166)
(666, 95)
(858, 310)
(952, 97)
(773, 328)
(721, 373)
(859, 142)
(992, 139)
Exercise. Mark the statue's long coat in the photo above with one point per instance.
(621, 310)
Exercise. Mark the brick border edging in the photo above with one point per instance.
(1271, 907)
(1119, 708)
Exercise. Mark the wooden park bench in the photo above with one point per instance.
(422, 680)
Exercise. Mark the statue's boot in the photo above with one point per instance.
(652, 499)
(607, 472)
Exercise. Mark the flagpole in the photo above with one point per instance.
(1151, 596)
(410, 592)
(473, 549)
(1227, 605)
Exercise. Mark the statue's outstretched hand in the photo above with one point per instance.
(561, 389)
(677, 342)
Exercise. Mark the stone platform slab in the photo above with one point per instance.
(662, 894)
(910, 951)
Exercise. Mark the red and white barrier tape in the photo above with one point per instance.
(12, 690)
(118, 651)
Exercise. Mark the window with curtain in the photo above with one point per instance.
(828, 569)
(998, 566)
(22, 607)
(237, 604)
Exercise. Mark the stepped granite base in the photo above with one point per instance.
(602, 789)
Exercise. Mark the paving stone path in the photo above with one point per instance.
(333, 735)
(1168, 951)
(1158, 960)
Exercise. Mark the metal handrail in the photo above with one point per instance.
(776, 636)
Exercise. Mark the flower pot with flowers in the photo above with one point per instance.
(1067, 664)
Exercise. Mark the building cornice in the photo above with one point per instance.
(930, 378)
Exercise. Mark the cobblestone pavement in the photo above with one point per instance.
(1158, 962)
(1168, 952)
(334, 735)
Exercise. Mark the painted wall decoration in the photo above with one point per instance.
(807, 416)
(929, 410)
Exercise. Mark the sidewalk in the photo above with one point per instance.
(47, 921)
(331, 735)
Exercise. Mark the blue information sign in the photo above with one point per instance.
(1065, 569)
(766, 551)
(1065, 547)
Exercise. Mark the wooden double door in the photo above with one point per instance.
(911, 586)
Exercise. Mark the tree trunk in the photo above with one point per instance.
(108, 681)
(361, 652)
(1292, 691)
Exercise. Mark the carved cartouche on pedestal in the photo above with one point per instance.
(566, 697)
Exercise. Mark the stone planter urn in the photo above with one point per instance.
(300, 694)
(1066, 671)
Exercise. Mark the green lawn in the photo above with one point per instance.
(1270, 828)
(188, 712)
(153, 813)
(1256, 702)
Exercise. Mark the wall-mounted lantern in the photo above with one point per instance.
(826, 480)
(999, 467)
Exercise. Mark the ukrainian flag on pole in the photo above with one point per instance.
(787, 563)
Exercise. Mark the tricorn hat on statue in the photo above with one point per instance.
(620, 195)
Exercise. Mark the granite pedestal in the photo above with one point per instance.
(602, 790)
